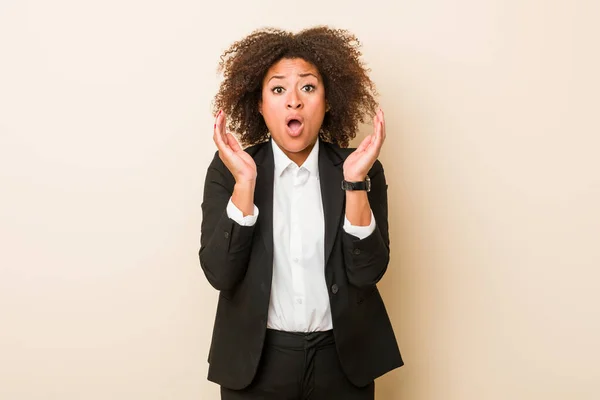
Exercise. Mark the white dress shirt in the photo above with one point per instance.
(299, 297)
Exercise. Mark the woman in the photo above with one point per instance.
(294, 229)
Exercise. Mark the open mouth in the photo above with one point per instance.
(294, 126)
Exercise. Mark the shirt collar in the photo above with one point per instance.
(282, 162)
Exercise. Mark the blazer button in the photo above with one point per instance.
(226, 234)
(334, 288)
(356, 252)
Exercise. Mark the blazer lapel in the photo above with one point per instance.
(331, 175)
(263, 195)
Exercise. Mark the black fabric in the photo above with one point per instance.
(300, 366)
(238, 261)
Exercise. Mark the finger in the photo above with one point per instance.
(217, 137)
(222, 125)
(376, 130)
(217, 115)
(220, 136)
(247, 158)
(376, 123)
(216, 129)
(379, 133)
(233, 143)
(364, 144)
(382, 124)
(220, 140)
(376, 143)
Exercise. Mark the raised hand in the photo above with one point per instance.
(240, 164)
(358, 164)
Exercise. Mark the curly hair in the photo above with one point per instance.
(349, 92)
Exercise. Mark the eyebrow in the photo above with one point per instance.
(300, 75)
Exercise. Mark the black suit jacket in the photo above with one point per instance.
(238, 261)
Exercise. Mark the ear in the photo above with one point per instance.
(260, 107)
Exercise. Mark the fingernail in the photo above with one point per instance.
(215, 126)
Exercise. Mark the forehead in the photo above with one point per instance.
(289, 67)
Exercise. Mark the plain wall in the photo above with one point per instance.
(491, 159)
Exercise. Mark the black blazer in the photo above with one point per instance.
(238, 261)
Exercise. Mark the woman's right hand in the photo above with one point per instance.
(240, 164)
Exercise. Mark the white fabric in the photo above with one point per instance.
(299, 295)
(236, 214)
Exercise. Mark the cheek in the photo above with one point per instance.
(318, 107)
(269, 113)
(270, 104)
(318, 102)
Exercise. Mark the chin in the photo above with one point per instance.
(298, 144)
(294, 143)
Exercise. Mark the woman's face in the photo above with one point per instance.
(293, 106)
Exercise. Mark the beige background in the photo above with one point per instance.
(492, 160)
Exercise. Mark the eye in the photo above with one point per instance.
(277, 90)
(308, 88)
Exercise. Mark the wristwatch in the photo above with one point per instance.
(364, 185)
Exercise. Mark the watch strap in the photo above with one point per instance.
(362, 185)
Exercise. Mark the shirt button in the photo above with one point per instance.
(226, 234)
(299, 301)
(334, 288)
(356, 252)
(296, 260)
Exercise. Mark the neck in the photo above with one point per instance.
(299, 157)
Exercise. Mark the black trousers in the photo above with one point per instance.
(300, 366)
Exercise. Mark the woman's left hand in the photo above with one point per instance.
(358, 164)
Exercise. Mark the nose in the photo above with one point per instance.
(294, 101)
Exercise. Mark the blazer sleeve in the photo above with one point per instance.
(224, 244)
(367, 259)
